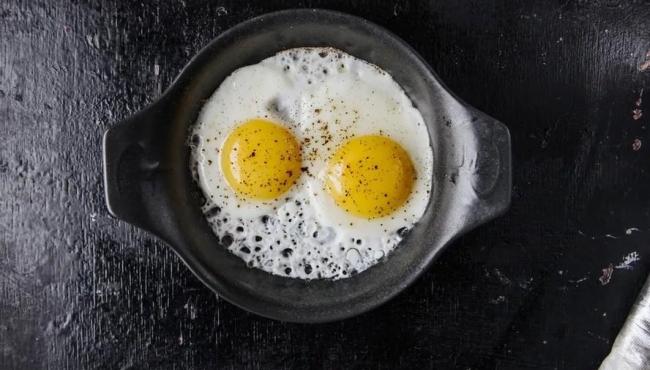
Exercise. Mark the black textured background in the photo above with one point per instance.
(81, 290)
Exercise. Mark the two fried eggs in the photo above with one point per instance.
(313, 163)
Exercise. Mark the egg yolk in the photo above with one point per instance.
(370, 176)
(260, 160)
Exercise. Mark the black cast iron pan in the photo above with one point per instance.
(148, 181)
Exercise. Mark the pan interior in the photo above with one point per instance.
(256, 290)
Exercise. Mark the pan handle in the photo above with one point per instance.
(490, 169)
(132, 166)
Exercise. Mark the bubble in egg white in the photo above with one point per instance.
(323, 96)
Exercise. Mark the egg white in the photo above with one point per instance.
(324, 97)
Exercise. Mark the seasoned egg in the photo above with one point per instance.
(370, 176)
(260, 160)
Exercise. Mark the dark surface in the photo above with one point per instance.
(81, 290)
(149, 183)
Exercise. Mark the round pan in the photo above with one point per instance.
(148, 181)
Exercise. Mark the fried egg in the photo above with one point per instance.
(313, 163)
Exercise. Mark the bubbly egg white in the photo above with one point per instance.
(324, 97)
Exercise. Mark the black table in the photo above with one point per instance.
(79, 289)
